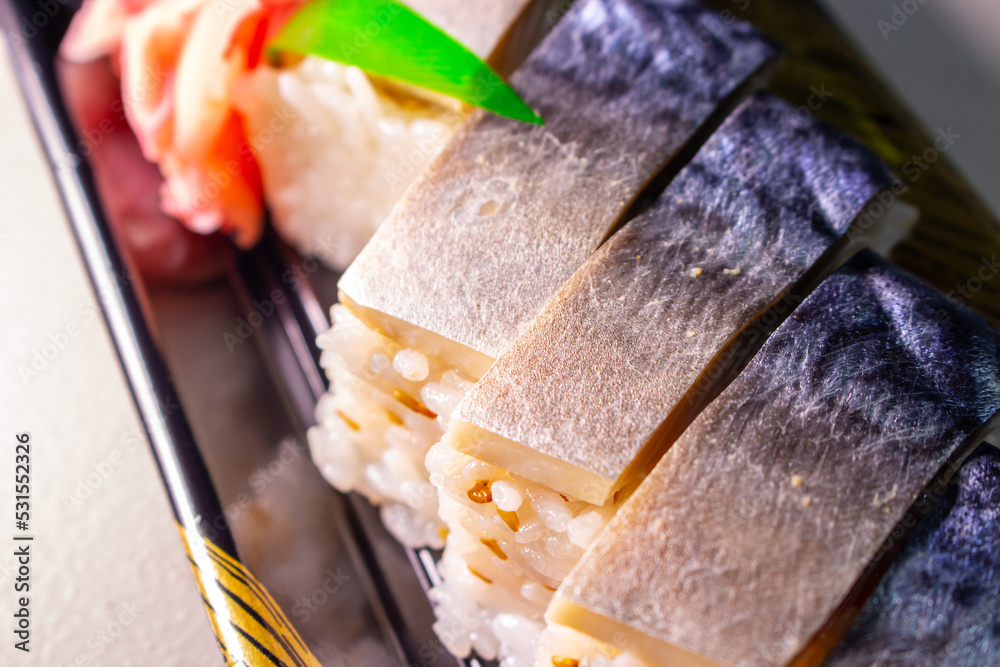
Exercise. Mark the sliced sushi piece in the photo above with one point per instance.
(500, 220)
(337, 148)
(938, 603)
(549, 443)
(761, 532)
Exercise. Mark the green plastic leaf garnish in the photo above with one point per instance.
(388, 39)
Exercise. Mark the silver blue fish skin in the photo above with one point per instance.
(939, 604)
(508, 211)
(753, 530)
(625, 342)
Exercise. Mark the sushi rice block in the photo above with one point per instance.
(500, 220)
(337, 148)
(758, 536)
(545, 448)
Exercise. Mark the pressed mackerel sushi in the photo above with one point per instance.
(938, 603)
(757, 536)
(548, 444)
(337, 148)
(574, 403)
(499, 221)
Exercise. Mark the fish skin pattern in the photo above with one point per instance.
(748, 535)
(939, 603)
(508, 211)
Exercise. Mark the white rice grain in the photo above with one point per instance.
(506, 496)
(411, 364)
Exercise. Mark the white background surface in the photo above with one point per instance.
(118, 547)
(110, 581)
(944, 60)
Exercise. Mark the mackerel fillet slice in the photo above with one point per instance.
(759, 534)
(501, 219)
(938, 603)
(549, 443)
(587, 400)
(508, 211)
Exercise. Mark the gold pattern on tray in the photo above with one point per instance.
(251, 629)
